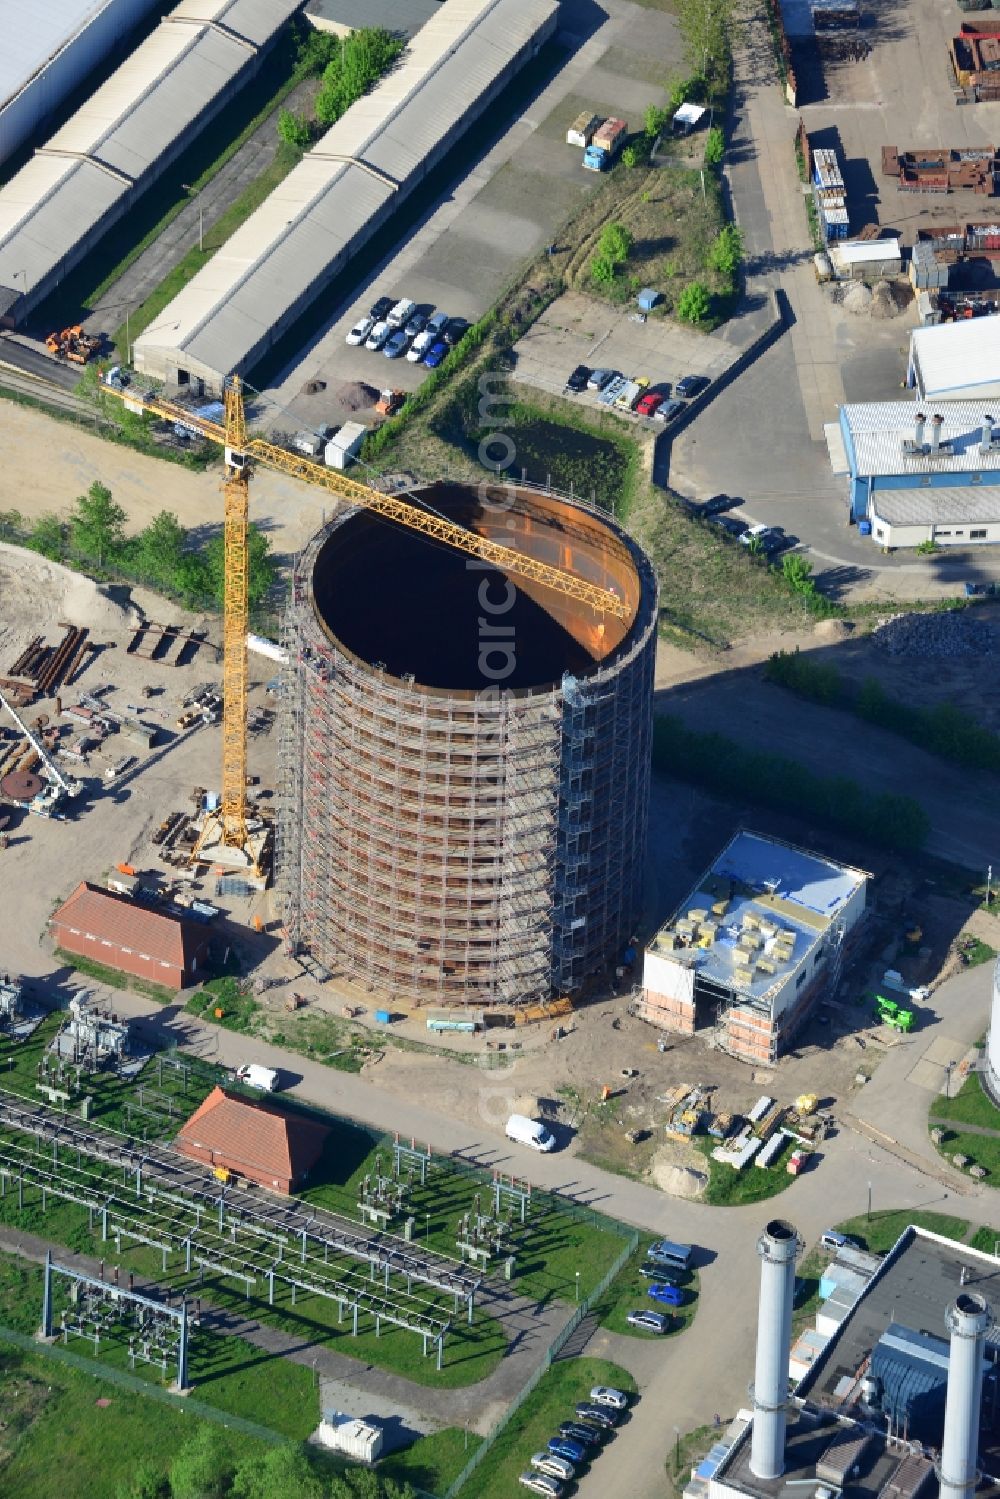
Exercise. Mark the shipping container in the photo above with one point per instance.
(345, 445)
(581, 132)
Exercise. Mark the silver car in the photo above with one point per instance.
(541, 1483)
(555, 1467)
(397, 343)
(603, 1394)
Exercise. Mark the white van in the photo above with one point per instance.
(255, 1076)
(401, 313)
(526, 1131)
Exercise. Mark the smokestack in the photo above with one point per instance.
(918, 430)
(968, 1320)
(936, 424)
(777, 1246)
(986, 440)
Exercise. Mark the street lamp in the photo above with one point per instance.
(578, 1285)
(869, 1202)
(427, 1227)
(201, 217)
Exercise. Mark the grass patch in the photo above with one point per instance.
(684, 1454)
(226, 1001)
(114, 979)
(807, 1279)
(728, 1187)
(434, 1461)
(56, 1440)
(628, 1293)
(971, 1105)
(227, 1372)
(880, 1232)
(985, 1240)
(530, 1427)
(981, 1150)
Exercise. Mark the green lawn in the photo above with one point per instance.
(807, 1278)
(628, 1293)
(880, 1232)
(728, 1187)
(971, 1105)
(528, 1430)
(981, 1150)
(434, 1461)
(686, 1451)
(57, 1440)
(226, 1372)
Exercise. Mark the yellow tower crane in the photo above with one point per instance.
(241, 452)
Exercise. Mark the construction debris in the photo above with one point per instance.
(954, 632)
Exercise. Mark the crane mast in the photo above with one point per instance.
(228, 826)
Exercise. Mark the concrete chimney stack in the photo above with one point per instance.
(968, 1320)
(937, 422)
(918, 430)
(778, 1247)
(986, 440)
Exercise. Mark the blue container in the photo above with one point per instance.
(382, 1017)
(864, 528)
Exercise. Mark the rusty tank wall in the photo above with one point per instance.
(465, 758)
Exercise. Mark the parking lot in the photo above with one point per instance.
(472, 242)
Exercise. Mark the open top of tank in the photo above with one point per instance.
(417, 607)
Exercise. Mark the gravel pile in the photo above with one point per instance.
(355, 395)
(955, 633)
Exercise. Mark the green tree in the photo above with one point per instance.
(706, 27)
(657, 119)
(630, 157)
(678, 93)
(797, 571)
(616, 243)
(261, 571)
(715, 146)
(48, 536)
(694, 303)
(203, 1468)
(294, 130)
(97, 524)
(603, 270)
(726, 252)
(160, 548)
(280, 1473)
(146, 1482)
(361, 61)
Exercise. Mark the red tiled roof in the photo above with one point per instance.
(120, 921)
(254, 1137)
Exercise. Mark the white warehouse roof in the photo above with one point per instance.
(876, 431)
(864, 251)
(327, 207)
(34, 33)
(956, 358)
(83, 177)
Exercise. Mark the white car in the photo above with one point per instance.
(419, 347)
(541, 1483)
(378, 336)
(360, 332)
(603, 1394)
(555, 1467)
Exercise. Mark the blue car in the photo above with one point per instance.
(669, 1295)
(435, 354)
(573, 1452)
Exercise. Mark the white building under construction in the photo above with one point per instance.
(759, 938)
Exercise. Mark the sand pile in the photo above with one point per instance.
(832, 629)
(678, 1181)
(857, 299)
(355, 395)
(884, 304)
(68, 595)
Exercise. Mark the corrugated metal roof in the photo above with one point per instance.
(55, 202)
(863, 251)
(877, 430)
(955, 356)
(325, 208)
(951, 504)
(33, 33)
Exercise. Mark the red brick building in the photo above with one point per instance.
(132, 938)
(253, 1140)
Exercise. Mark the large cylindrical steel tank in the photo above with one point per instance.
(466, 757)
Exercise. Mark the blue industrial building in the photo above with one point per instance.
(920, 474)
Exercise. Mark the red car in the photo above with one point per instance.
(649, 404)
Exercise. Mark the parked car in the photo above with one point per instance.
(381, 309)
(652, 1271)
(577, 380)
(397, 343)
(437, 324)
(669, 1295)
(565, 1447)
(691, 385)
(604, 1394)
(596, 1415)
(416, 324)
(435, 354)
(668, 410)
(360, 332)
(541, 1483)
(718, 503)
(555, 1467)
(587, 1436)
(830, 1239)
(729, 524)
(678, 1256)
(649, 403)
(525, 1131)
(420, 346)
(378, 336)
(600, 378)
(648, 1321)
(455, 331)
(768, 539)
(401, 313)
